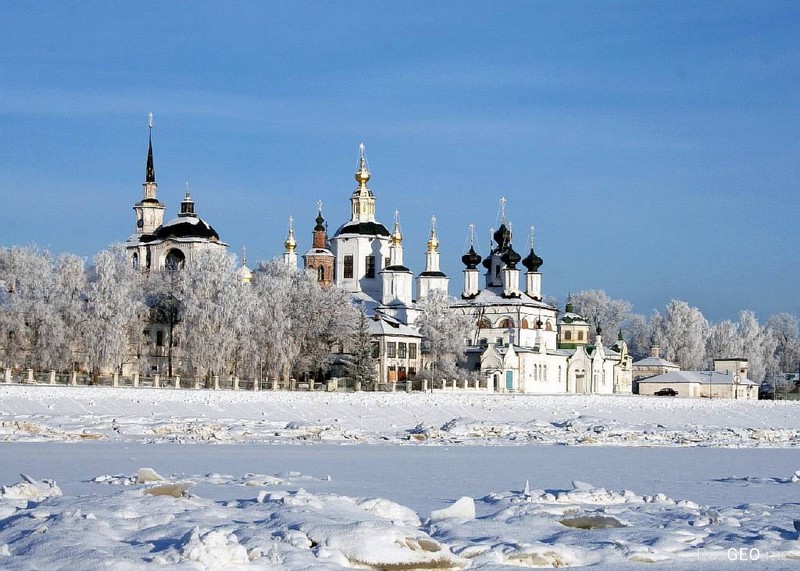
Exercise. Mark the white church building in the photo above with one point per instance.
(519, 344)
(155, 245)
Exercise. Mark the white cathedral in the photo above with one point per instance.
(519, 343)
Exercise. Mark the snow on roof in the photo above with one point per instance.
(702, 377)
(655, 362)
(493, 296)
(391, 327)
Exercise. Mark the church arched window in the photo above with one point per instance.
(506, 323)
(321, 273)
(135, 260)
(548, 326)
(175, 260)
(525, 324)
(484, 323)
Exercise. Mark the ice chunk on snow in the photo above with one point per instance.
(174, 489)
(391, 511)
(212, 549)
(385, 546)
(464, 508)
(147, 475)
(30, 489)
(592, 522)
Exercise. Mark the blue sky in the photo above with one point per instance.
(654, 146)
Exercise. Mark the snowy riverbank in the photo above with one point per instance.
(42, 413)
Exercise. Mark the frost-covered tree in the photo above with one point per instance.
(758, 346)
(209, 322)
(444, 332)
(724, 341)
(784, 330)
(682, 333)
(328, 320)
(361, 365)
(638, 334)
(600, 310)
(113, 310)
(164, 295)
(274, 319)
(33, 329)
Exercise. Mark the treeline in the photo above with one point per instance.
(688, 339)
(57, 313)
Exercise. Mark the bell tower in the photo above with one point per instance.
(149, 211)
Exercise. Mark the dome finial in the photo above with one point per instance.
(433, 241)
(502, 209)
(290, 242)
(244, 256)
(472, 235)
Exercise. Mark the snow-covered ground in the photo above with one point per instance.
(681, 483)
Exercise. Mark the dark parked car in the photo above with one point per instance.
(668, 392)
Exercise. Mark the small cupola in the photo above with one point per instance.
(187, 204)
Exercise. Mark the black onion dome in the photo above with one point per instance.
(471, 259)
(511, 258)
(502, 236)
(487, 263)
(532, 262)
(186, 227)
(320, 227)
(364, 229)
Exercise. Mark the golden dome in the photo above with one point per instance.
(433, 241)
(362, 174)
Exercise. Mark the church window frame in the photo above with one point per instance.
(506, 323)
(402, 350)
(348, 267)
(412, 350)
(567, 335)
(369, 264)
(391, 349)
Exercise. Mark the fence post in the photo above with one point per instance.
(216, 382)
(177, 381)
(136, 379)
(7, 376)
(236, 383)
(408, 385)
(256, 383)
(157, 381)
(30, 376)
(115, 380)
(73, 381)
(425, 385)
(274, 383)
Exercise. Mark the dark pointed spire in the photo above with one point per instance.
(150, 176)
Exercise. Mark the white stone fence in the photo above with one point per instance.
(54, 378)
